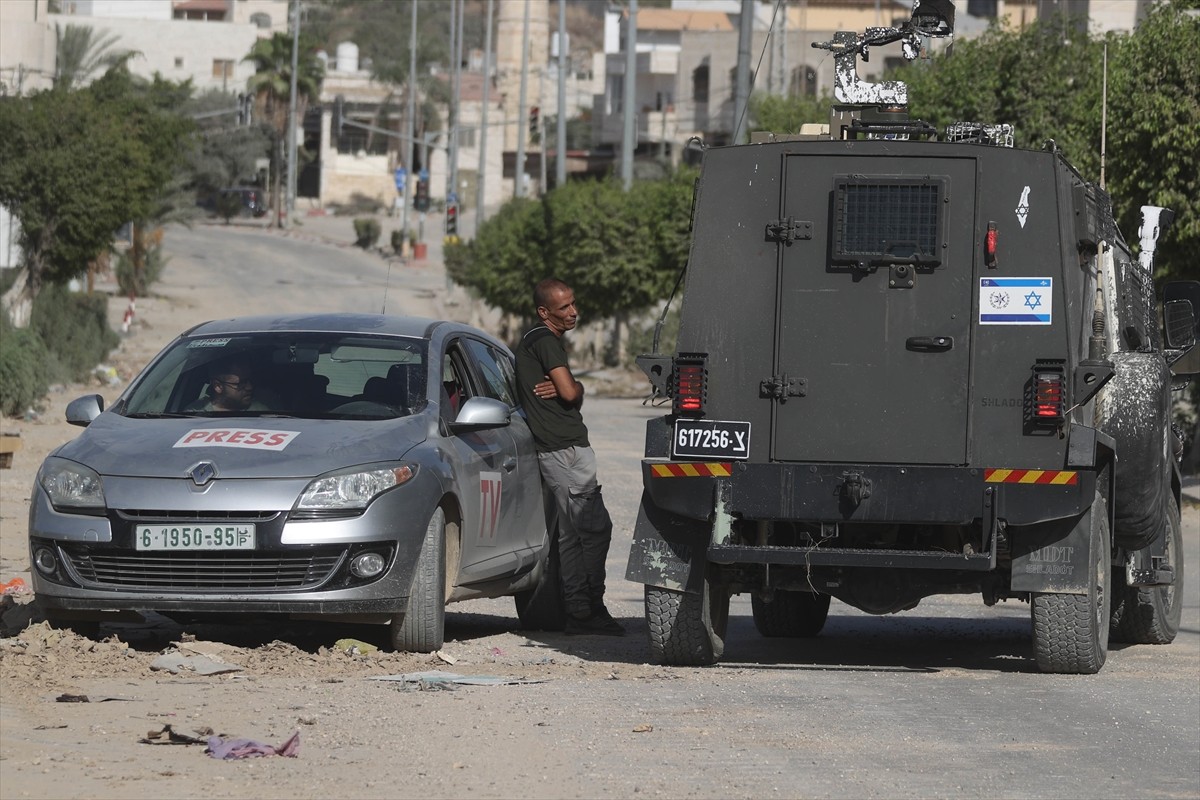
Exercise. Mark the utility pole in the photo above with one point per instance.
(629, 131)
(742, 96)
(290, 203)
(456, 24)
(522, 110)
(560, 140)
(480, 194)
(410, 187)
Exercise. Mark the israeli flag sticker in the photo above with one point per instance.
(1016, 301)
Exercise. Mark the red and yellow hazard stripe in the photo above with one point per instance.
(1043, 477)
(690, 469)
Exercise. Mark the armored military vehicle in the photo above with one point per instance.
(912, 363)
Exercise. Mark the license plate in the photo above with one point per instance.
(195, 537)
(710, 438)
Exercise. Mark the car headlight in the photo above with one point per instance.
(353, 490)
(71, 486)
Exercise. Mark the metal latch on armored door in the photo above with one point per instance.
(789, 229)
(781, 387)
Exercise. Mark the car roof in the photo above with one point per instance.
(379, 324)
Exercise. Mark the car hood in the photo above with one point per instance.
(248, 447)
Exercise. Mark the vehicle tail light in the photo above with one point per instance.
(690, 381)
(989, 246)
(1049, 393)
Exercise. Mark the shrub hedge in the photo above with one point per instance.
(68, 335)
(23, 373)
(366, 232)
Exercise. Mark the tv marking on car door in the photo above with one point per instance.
(489, 504)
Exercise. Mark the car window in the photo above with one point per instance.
(292, 374)
(495, 370)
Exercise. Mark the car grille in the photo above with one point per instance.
(205, 572)
(147, 515)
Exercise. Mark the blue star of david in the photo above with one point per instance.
(1033, 301)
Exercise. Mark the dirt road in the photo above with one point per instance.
(941, 702)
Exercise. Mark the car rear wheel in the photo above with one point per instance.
(1070, 631)
(422, 627)
(1150, 614)
(790, 614)
(687, 629)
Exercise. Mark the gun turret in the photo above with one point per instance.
(862, 104)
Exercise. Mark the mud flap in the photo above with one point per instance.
(668, 551)
(1054, 557)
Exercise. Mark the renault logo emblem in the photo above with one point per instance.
(203, 472)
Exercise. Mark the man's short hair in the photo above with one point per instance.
(541, 292)
(234, 365)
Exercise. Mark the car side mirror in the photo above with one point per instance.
(82, 410)
(481, 412)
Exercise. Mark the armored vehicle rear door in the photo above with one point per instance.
(874, 319)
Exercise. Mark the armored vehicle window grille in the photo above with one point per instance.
(888, 221)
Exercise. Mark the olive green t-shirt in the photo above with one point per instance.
(555, 425)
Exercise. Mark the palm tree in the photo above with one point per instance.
(271, 86)
(82, 51)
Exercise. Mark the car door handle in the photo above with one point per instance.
(929, 344)
(509, 464)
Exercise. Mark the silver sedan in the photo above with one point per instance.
(342, 466)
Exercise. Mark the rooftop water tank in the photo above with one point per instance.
(347, 57)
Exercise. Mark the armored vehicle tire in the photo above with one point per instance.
(541, 608)
(422, 627)
(1150, 614)
(1070, 631)
(790, 614)
(686, 629)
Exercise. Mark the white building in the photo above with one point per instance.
(204, 41)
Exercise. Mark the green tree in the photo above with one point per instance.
(226, 151)
(151, 110)
(786, 114)
(621, 251)
(506, 257)
(1045, 80)
(271, 85)
(70, 173)
(1154, 131)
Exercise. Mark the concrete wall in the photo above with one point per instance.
(27, 46)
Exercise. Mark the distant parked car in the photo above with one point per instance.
(380, 468)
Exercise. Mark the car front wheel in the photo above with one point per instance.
(422, 627)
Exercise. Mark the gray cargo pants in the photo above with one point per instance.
(584, 526)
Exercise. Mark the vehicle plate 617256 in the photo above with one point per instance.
(710, 438)
(194, 537)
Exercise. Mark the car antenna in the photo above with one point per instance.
(386, 283)
(1103, 115)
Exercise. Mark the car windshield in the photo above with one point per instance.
(316, 375)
